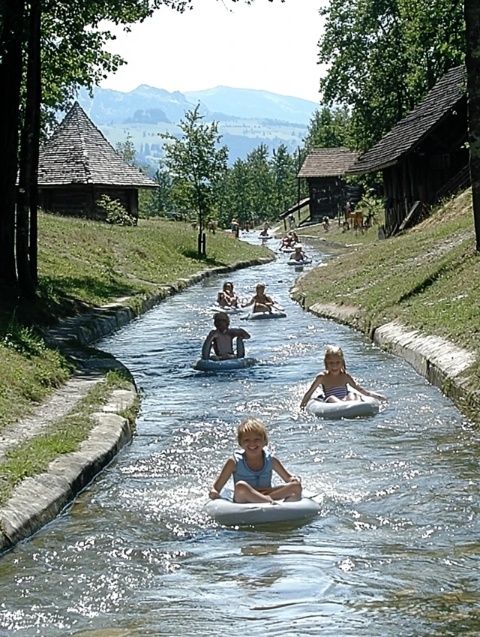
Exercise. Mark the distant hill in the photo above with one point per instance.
(250, 103)
(246, 117)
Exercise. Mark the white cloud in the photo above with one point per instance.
(268, 46)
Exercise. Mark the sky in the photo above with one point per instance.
(268, 46)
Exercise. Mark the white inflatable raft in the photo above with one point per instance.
(227, 365)
(299, 263)
(367, 406)
(228, 309)
(231, 513)
(257, 316)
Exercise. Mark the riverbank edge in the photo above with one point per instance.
(38, 500)
(441, 362)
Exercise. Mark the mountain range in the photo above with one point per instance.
(246, 117)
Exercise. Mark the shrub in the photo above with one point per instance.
(115, 212)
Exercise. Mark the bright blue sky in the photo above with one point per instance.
(268, 45)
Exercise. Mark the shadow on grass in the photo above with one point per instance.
(54, 299)
(193, 254)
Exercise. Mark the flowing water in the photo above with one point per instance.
(394, 551)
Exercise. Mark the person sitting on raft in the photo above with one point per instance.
(336, 382)
(298, 254)
(252, 469)
(294, 237)
(261, 302)
(286, 242)
(227, 297)
(221, 339)
(265, 233)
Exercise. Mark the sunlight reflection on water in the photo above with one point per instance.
(393, 552)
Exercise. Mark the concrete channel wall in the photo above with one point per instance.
(38, 500)
(442, 363)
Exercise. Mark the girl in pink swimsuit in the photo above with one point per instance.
(335, 381)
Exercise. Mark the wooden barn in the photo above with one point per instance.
(77, 165)
(424, 157)
(324, 169)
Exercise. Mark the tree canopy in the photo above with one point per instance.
(384, 55)
(48, 49)
(196, 164)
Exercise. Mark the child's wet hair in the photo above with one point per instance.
(260, 285)
(220, 317)
(251, 426)
(337, 352)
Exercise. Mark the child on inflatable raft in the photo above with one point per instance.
(221, 339)
(335, 381)
(299, 255)
(252, 469)
(260, 300)
(227, 297)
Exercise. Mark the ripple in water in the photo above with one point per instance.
(393, 552)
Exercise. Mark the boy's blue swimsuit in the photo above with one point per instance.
(261, 479)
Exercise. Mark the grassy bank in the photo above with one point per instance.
(83, 264)
(62, 436)
(427, 278)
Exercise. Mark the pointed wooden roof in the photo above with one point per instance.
(78, 153)
(412, 129)
(327, 162)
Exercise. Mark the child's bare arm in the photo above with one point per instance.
(308, 394)
(207, 344)
(353, 383)
(239, 332)
(286, 476)
(222, 479)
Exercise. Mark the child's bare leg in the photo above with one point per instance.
(291, 491)
(333, 399)
(352, 396)
(245, 493)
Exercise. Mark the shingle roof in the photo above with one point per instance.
(327, 162)
(411, 130)
(78, 153)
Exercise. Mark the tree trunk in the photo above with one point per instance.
(26, 237)
(472, 63)
(10, 83)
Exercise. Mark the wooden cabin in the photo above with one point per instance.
(77, 165)
(424, 157)
(324, 169)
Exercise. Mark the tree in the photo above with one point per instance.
(196, 166)
(472, 62)
(329, 128)
(126, 150)
(233, 195)
(11, 69)
(283, 168)
(57, 45)
(384, 55)
(158, 201)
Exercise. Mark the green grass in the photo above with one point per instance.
(63, 436)
(83, 264)
(426, 278)
(28, 374)
(93, 262)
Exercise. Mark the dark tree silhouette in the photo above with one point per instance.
(472, 63)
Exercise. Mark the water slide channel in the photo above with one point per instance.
(394, 551)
